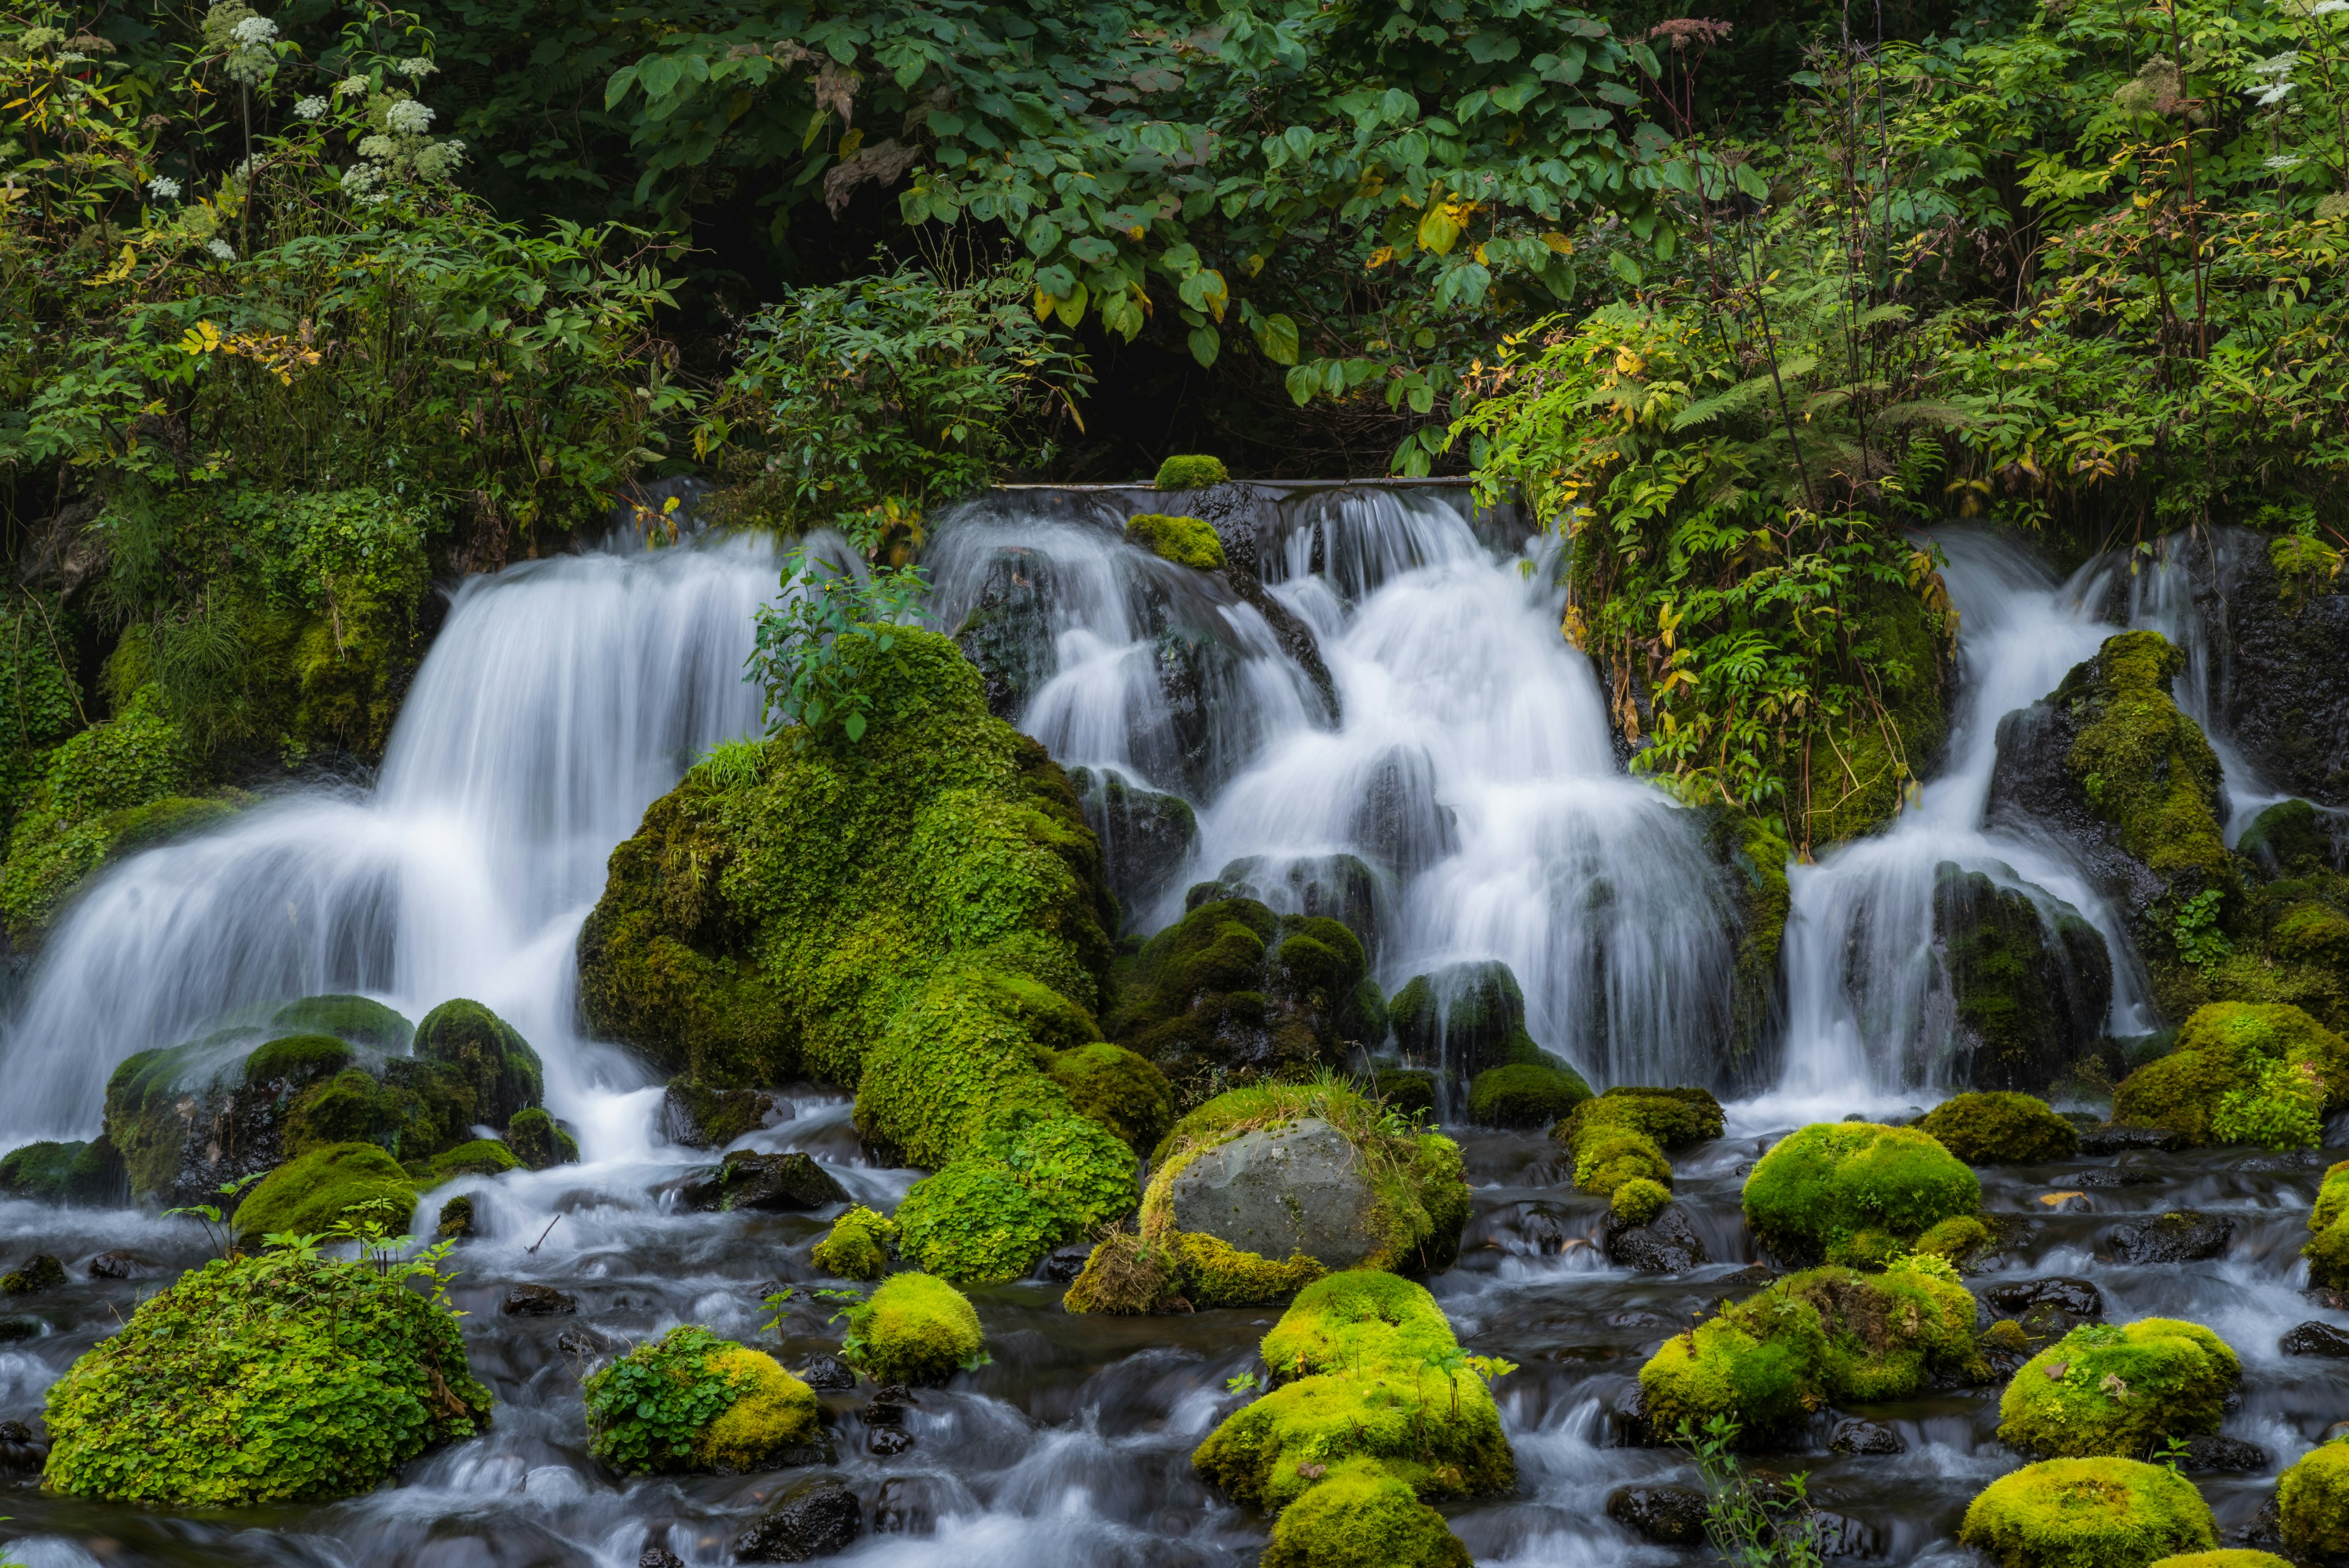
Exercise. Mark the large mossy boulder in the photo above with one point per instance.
(1996, 1128)
(1354, 1397)
(858, 1245)
(269, 1379)
(358, 1020)
(915, 1329)
(1464, 1018)
(2119, 1389)
(1856, 1191)
(1345, 887)
(2241, 1072)
(2312, 1503)
(89, 1174)
(2327, 1248)
(692, 1401)
(1811, 1339)
(312, 1193)
(2029, 981)
(2088, 1513)
(497, 1063)
(1527, 1095)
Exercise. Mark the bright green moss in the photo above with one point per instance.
(1811, 1339)
(266, 1379)
(1033, 1177)
(857, 1247)
(2327, 1250)
(1822, 1184)
(2088, 1513)
(414, 1111)
(2144, 766)
(914, 1329)
(497, 1062)
(307, 1195)
(692, 1401)
(1215, 1274)
(1997, 1128)
(297, 1061)
(2118, 1389)
(1190, 473)
(85, 1173)
(1621, 1137)
(1112, 1085)
(483, 1157)
(1954, 1240)
(1186, 541)
(352, 1018)
(1359, 1516)
(2225, 1557)
(1639, 1201)
(2313, 1501)
(2222, 1076)
(1524, 1096)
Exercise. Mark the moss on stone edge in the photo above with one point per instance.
(1998, 1128)
(1823, 1189)
(352, 1018)
(1186, 541)
(1359, 1516)
(504, 1071)
(1827, 1336)
(915, 1329)
(1112, 1085)
(539, 1141)
(2118, 1389)
(306, 1196)
(2327, 1250)
(1639, 1201)
(2228, 1050)
(2088, 1513)
(88, 1174)
(857, 1247)
(483, 1157)
(1524, 1096)
(2312, 1502)
(263, 1379)
(1623, 1135)
(692, 1401)
(1190, 471)
(1355, 1398)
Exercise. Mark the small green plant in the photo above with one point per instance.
(648, 1408)
(217, 1232)
(778, 1302)
(1246, 1383)
(2174, 1452)
(2200, 943)
(1750, 1526)
(797, 660)
(2285, 1110)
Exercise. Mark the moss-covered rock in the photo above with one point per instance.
(1524, 1096)
(915, 1329)
(1112, 1085)
(2120, 1390)
(2029, 979)
(692, 1401)
(1465, 1019)
(89, 1174)
(1190, 471)
(1639, 1201)
(857, 1246)
(1186, 541)
(2289, 839)
(1752, 853)
(1146, 834)
(2225, 1557)
(2241, 1072)
(1823, 1189)
(1409, 1090)
(2327, 1248)
(1997, 1127)
(309, 1194)
(1345, 887)
(2312, 1503)
(1810, 1339)
(1858, 779)
(539, 1141)
(483, 1157)
(2088, 1513)
(294, 1062)
(700, 1116)
(497, 1062)
(355, 1019)
(1626, 1134)
(1361, 1516)
(267, 1379)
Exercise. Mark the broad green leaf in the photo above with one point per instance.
(1277, 338)
(659, 74)
(1205, 344)
(617, 88)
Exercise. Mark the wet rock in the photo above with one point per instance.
(1627, 1421)
(1145, 836)
(2106, 1138)
(827, 1374)
(1064, 1263)
(1668, 1245)
(701, 1117)
(888, 1441)
(2181, 1236)
(1342, 886)
(2317, 1339)
(2270, 1163)
(1008, 632)
(120, 1264)
(538, 1301)
(1295, 1189)
(1398, 817)
(2046, 1309)
(21, 1452)
(2266, 1527)
(769, 1182)
(15, 1330)
(456, 1219)
(39, 1274)
(1463, 1018)
(1838, 1535)
(2113, 1178)
(810, 1519)
(1752, 1277)
(2028, 980)
(888, 1406)
(1667, 1515)
(1854, 1435)
(2216, 1451)
(659, 1557)
(586, 1344)
(2326, 1297)
(911, 1505)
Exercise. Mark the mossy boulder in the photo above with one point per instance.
(483, 1157)
(2225, 1557)
(2312, 1503)
(2120, 1390)
(1186, 541)
(1628, 1133)
(2028, 980)
(1346, 888)
(1190, 471)
(1826, 1335)
(1146, 834)
(2327, 1248)
(294, 1062)
(497, 1062)
(1754, 853)
(2241, 1072)
(1112, 1085)
(1409, 1090)
(1524, 1096)
(539, 1141)
(1997, 1127)
(914, 1329)
(1354, 1402)
(2290, 839)
(692, 1401)
(356, 1019)
(857, 1246)
(2088, 1513)
(86, 1174)
(262, 1379)
(1465, 1019)
(308, 1196)
(1834, 1189)
(700, 1116)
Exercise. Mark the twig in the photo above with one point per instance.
(542, 1235)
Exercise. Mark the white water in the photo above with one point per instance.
(560, 700)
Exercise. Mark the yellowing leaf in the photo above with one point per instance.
(1438, 229)
(1378, 258)
(1558, 242)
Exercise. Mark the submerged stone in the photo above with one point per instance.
(2181, 1236)
(1667, 1515)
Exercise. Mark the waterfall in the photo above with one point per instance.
(561, 698)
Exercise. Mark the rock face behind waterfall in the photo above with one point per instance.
(2029, 985)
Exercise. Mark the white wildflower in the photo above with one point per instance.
(378, 147)
(360, 177)
(253, 32)
(221, 249)
(71, 58)
(2283, 161)
(416, 69)
(351, 87)
(409, 117)
(311, 107)
(163, 188)
(436, 159)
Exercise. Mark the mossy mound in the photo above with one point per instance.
(1233, 992)
(1409, 1090)
(308, 1196)
(269, 1379)
(2225, 1557)
(1814, 1339)
(2118, 1389)
(1627, 1134)
(297, 1061)
(1845, 1189)
(2327, 1249)
(352, 1018)
(1465, 1019)
(2312, 1502)
(539, 1141)
(483, 1157)
(2288, 840)
(497, 1062)
(1112, 1085)
(2241, 1072)
(692, 1401)
(1524, 1096)
(2088, 1513)
(1997, 1127)
(914, 1329)
(87, 1174)
(1356, 1402)
(1190, 471)
(1186, 541)
(857, 1247)
(919, 914)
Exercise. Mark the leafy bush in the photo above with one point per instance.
(690, 1401)
(798, 661)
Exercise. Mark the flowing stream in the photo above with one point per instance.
(1466, 763)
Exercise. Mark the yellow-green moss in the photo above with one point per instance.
(1358, 1516)
(2235, 1065)
(1954, 1240)
(1622, 1135)
(1998, 1128)
(2225, 1557)
(2313, 1501)
(1186, 541)
(2118, 1389)
(308, 1195)
(2088, 1513)
(1190, 471)
(2144, 766)
(1216, 1274)
(2327, 1251)
(857, 1247)
(914, 1329)
(1639, 1201)
(1822, 1185)
(483, 1157)
(692, 1401)
(772, 1412)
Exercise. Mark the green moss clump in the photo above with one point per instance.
(2313, 1501)
(1812, 1339)
(1465, 1018)
(267, 1379)
(2245, 1072)
(2088, 1513)
(2144, 766)
(1359, 1516)
(2118, 1389)
(2225, 1557)
(297, 1061)
(483, 1157)
(1186, 541)
(306, 1196)
(1856, 780)
(692, 1401)
(539, 1142)
(1190, 473)
(2287, 839)
(857, 1247)
(1954, 1241)
(1033, 1178)
(78, 1173)
(1998, 1128)
(1820, 1188)
(1639, 1201)
(352, 1018)
(1112, 1085)
(915, 1329)
(2327, 1249)
(1524, 1096)
(1408, 1090)
(415, 1110)
(1623, 1135)
(502, 1070)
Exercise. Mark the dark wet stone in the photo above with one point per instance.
(538, 1301)
(827, 1374)
(39, 1273)
(2181, 1236)
(2049, 1308)
(1667, 1515)
(2110, 1139)
(22, 1452)
(1628, 1419)
(701, 1117)
(2102, 1178)
(588, 1343)
(121, 1264)
(888, 1441)
(1064, 1263)
(910, 1505)
(2268, 1164)
(2216, 1451)
(2315, 1339)
(1853, 1435)
(1752, 1277)
(810, 1519)
(771, 1183)
(659, 1557)
(1668, 1245)
(2266, 1527)
(1838, 1535)
(2326, 1297)
(888, 1407)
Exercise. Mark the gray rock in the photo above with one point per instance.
(2181, 1236)
(121, 1266)
(828, 1374)
(810, 1519)
(1284, 1189)
(1668, 1245)
(772, 1182)
(2110, 1139)
(912, 1505)
(2047, 1309)
(1667, 1515)
(537, 1301)
(1854, 1436)
(2317, 1339)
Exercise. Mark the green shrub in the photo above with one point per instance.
(2118, 1389)
(2312, 1502)
(307, 1195)
(914, 1329)
(1997, 1127)
(1186, 541)
(2088, 1513)
(2251, 1071)
(1821, 1186)
(1524, 1096)
(279, 1378)
(1190, 473)
(857, 1247)
(692, 1401)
